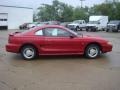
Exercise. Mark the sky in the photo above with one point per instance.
(36, 3)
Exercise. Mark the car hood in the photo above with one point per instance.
(94, 38)
(73, 24)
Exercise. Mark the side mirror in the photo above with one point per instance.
(72, 36)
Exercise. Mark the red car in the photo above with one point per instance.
(55, 40)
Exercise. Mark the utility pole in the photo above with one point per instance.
(82, 3)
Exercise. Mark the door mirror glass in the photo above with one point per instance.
(72, 36)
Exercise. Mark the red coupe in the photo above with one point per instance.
(56, 40)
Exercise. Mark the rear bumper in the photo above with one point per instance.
(107, 48)
(12, 48)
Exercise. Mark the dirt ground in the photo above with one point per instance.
(61, 72)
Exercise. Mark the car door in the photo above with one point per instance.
(58, 41)
(39, 40)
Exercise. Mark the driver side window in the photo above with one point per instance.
(56, 32)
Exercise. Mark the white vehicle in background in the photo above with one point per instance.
(42, 23)
(31, 25)
(77, 25)
(97, 23)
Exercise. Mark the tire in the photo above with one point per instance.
(94, 30)
(28, 52)
(103, 29)
(92, 51)
(87, 29)
(77, 28)
(107, 30)
(80, 29)
(20, 28)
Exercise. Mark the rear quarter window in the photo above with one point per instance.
(39, 33)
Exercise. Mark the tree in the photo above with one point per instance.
(109, 9)
(80, 13)
(56, 11)
(63, 12)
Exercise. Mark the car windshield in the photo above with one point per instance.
(77, 21)
(72, 31)
(93, 22)
(114, 22)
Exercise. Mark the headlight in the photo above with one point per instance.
(110, 43)
(74, 26)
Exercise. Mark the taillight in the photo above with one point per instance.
(9, 39)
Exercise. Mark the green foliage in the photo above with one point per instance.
(56, 11)
(109, 9)
(63, 12)
(80, 13)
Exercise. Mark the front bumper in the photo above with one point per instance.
(71, 27)
(12, 48)
(112, 28)
(107, 48)
(91, 27)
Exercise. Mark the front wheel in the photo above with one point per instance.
(107, 30)
(80, 29)
(77, 28)
(87, 29)
(92, 51)
(28, 52)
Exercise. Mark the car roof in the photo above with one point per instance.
(49, 26)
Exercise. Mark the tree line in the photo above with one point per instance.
(67, 13)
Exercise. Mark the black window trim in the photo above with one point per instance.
(37, 31)
(56, 36)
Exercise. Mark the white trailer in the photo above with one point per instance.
(97, 23)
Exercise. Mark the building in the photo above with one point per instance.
(11, 17)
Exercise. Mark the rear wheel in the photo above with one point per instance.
(92, 51)
(80, 29)
(107, 30)
(77, 28)
(28, 52)
(94, 29)
(20, 28)
(87, 29)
